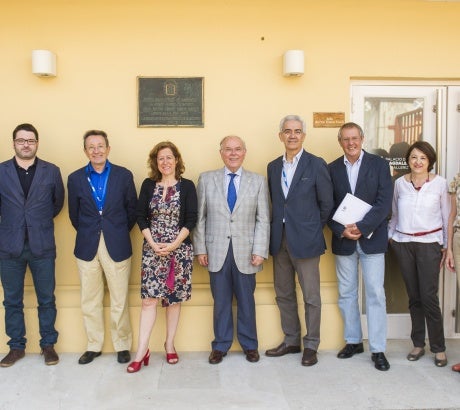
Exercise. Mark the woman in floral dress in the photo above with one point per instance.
(166, 213)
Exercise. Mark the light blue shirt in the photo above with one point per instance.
(353, 170)
(288, 172)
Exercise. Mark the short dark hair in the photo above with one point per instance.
(427, 149)
(25, 127)
(155, 173)
(95, 132)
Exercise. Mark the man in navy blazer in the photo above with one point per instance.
(367, 177)
(102, 208)
(301, 195)
(31, 195)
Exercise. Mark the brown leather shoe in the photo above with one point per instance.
(12, 357)
(281, 350)
(456, 367)
(252, 355)
(50, 355)
(216, 356)
(309, 357)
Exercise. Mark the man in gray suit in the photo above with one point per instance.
(301, 194)
(231, 239)
(31, 195)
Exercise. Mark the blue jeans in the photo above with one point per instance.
(373, 271)
(12, 274)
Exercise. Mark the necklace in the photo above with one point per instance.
(418, 188)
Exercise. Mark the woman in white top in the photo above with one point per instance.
(453, 240)
(418, 235)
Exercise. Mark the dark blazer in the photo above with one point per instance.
(306, 208)
(188, 205)
(118, 218)
(34, 214)
(373, 186)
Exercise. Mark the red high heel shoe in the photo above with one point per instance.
(171, 358)
(136, 366)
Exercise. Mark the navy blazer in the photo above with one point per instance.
(306, 208)
(34, 214)
(373, 186)
(117, 219)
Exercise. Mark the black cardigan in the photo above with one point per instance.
(188, 205)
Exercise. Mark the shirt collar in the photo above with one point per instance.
(106, 168)
(296, 158)
(238, 171)
(34, 164)
(346, 162)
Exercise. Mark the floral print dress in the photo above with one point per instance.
(164, 226)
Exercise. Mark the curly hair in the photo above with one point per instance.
(155, 173)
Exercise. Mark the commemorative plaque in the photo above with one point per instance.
(170, 101)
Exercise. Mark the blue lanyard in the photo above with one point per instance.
(100, 200)
(285, 180)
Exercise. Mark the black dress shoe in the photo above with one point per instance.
(123, 356)
(281, 350)
(88, 357)
(252, 355)
(349, 350)
(216, 356)
(380, 361)
(309, 357)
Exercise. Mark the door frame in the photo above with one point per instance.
(447, 129)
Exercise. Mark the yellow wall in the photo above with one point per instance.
(102, 46)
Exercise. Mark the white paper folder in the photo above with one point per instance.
(351, 210)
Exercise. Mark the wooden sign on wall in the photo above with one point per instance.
(328, 119)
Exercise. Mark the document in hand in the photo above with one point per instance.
(351, 210)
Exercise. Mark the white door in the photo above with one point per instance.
(393, 117)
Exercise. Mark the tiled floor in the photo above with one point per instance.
(272, 383)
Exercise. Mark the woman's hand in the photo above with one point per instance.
(450, 264)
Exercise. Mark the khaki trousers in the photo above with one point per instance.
(92, 294)
(456, 252)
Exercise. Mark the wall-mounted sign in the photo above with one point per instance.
(170, 101)
(328, 119)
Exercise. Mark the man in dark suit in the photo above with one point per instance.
(31, 195)
(102, 208)
(301, 195)
(367, 177)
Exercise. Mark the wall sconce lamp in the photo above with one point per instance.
(43, 63)
(293, 63)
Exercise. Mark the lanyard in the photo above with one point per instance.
(100, 200)
(285, 180)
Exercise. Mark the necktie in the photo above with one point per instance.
(231, 194)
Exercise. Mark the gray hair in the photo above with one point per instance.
(224, 140)
(349, 125)
(292, 118)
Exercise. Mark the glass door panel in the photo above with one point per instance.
(393, 117)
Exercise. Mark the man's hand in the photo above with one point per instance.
(202, 259)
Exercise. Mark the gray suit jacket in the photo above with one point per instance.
(248, 227)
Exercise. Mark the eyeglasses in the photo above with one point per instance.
(22, 141)
(237, 150)
(288, 133)
(100, 148)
